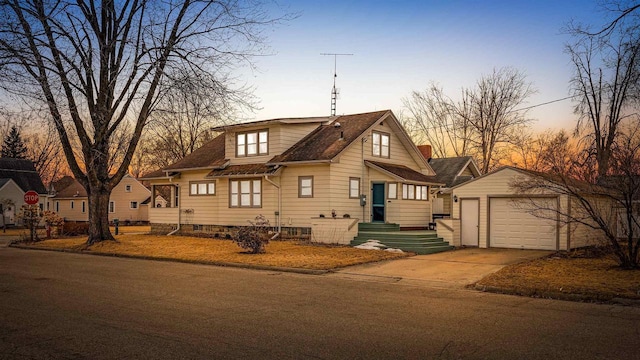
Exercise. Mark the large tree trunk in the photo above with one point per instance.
(99, 216)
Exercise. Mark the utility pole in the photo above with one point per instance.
(334, 91)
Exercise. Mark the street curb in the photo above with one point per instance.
(196, 262)
(555, 295)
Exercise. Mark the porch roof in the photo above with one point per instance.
(246, 170)
(402, 173)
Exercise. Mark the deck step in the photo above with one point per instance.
(416, 241)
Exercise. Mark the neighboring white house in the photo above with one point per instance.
(486, 213)
(17, 176)
(129, 200)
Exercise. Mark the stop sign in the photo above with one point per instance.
(31, 197)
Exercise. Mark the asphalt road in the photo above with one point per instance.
(69, 306)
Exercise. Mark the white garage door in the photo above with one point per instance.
(511, 227)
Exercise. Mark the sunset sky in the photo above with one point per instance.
(400, 46)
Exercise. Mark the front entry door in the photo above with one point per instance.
(377, 203)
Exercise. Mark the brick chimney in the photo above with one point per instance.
(426, 151)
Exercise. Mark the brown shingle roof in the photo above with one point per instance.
(325, 142)
(23, 173)
(210, 155)
(402, 172)
(447, 170)
(244, 170)
(68, 187)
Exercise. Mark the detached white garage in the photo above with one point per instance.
(491, 214)
(511, 226)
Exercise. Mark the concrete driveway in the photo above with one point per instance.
(452, 269)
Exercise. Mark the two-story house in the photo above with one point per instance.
(362, 167)
(128, 201)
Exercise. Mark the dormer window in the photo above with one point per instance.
(380, 144)
(252, 143)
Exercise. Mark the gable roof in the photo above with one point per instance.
(448, 170)
(328, 140)
(68, 187)
(402, 173)
(23, 173)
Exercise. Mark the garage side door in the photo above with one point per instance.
(511, 227)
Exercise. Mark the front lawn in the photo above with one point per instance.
(562, 275)
(286, 254)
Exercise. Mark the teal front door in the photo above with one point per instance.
(377, 203)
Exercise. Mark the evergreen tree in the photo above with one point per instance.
(13, 146)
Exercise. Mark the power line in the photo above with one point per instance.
(450, 127)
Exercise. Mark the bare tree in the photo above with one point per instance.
(544, 151)
(435, 116)
(605, 84)
(43, 148)
(185, 115)
(482, 123)
(98, 65)
(492, 112)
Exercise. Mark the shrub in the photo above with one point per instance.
(75, 228)
(253, 238)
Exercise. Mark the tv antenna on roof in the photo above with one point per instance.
(334, 91)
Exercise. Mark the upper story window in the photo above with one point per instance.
(380, 144)
(127, 188)
(252, 143)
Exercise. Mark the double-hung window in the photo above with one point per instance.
(380, 144)
(354, 188)
(252, 143)
(305, 186)
(245, 193)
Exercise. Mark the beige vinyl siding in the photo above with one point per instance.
(496, 184)
(163, 215)
(466, 172)
(280, 139)
(122, 200)
(582, 235)
(349, 166)
(446, 202)
(407, 213)
(298, 212)
(198, 209)
(69, 214)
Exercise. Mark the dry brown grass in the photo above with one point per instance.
(596, 278)
(42, 233)
(279, 253)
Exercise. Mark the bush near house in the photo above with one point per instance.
(75, 228)
(255, 237)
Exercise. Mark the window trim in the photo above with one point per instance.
(72, 204)
(84, 206)
(208, 182)
(300, 180)
(381, 135)
(358, 188)
(57, 206)
(252, 193)
(389, 191)
(246, 143)
(131, 205)
(112, 207)
(416, 189)
(127, 188)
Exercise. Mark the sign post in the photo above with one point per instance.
(31, 198)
